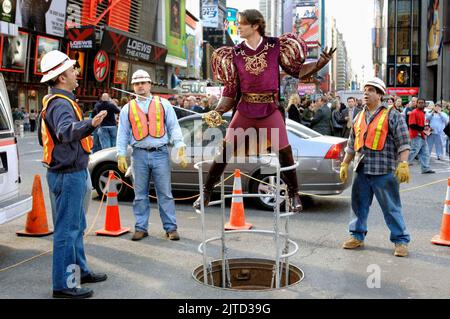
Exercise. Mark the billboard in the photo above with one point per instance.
(78, 56)
(14, 52)
(42, 16)
(8, 10)
(121, 72)
(210, 13)
(307, 21)
(43, 45)
(232, 21)
(175, 27)
(434, 39)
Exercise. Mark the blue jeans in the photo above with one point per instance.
(435, 139)
(68, 190)
(386, 190)
(97, 147)
(107, 136)
(155, 165)
(419, 146)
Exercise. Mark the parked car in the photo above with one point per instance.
(319, 156)
(12, 205)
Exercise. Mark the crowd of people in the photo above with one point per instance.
(329, 115)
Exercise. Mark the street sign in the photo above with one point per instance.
(101, 66)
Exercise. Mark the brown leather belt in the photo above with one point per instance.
(259, 97)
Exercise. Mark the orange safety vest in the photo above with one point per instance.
(377, 130)
(47, 141)
(142, 124)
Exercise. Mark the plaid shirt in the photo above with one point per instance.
(384, 161)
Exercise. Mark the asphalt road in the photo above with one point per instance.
(158, 268)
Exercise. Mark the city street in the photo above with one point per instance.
(158, 268)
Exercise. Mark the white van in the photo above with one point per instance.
(12, 205)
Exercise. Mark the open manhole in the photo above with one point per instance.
(248, 274)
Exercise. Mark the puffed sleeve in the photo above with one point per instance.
(225, 70)
(293, 52)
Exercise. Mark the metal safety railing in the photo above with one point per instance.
(282, 252)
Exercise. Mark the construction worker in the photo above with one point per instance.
(65, 137)
(148, 123)
(379, 143)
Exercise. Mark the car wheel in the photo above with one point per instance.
(100, 178)
(267, 203)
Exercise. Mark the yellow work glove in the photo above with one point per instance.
(181, 157)
(213, 119)
(402, 172)
(122, 163)
(343, 174)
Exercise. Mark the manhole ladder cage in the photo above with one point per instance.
(226, 280)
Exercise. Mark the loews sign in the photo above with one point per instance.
(131, 48)
(81, 38)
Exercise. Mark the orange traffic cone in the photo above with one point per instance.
(444, 237)
(36, 225)
(237, 215)
(112, 222)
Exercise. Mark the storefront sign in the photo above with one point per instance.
(210, 13)
(78, 56)
(133, 49)
(306, 88)
(44, 45)
(402, 91)
(8, 10)
(101, 66)
(121, 72)
(193, 87)
(176, 27)
(42, 16)
(81, 38)
(14, 53)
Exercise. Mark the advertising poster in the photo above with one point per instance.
(307, 21)
(175, 27)
(78, 56)
(232, 18)
(46, 16)
(43, 45)
(210, 13)
(434, 26)
(121, 72)
(8, 10)
(14, 53)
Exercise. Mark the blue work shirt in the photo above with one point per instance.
(125, 135)
(68, 155)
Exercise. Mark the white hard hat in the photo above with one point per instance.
(54, 63)
(378, 83)
(140, 76)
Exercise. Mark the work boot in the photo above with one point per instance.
(93, 278)
(353, 243)
(138, 235)
(290, 177)
(73, 293)
(215, 171)
(173, 235)
(401, 250)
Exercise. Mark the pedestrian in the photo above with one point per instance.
(204, 103)
(321, 122)
(148, 123)
(18, 120)
(379, 145)
(437, 120)
(193, 105)
(337, 120)
(308, 113)
(107, 132)
(398, 104)
(419, 145)
(408, 110)
(33, 117)
(349, 115)
(26, 120)
(252, 68)
(293, 111)
(65, 137)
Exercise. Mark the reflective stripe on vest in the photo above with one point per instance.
(142, 124)
(377, 130)
(47, 140)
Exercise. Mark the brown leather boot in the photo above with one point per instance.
(290, 177)
(215, 171)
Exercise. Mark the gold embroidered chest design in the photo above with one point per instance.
(256, 64)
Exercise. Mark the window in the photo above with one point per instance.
(403, 41)
(403, 13)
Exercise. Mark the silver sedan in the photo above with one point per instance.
(318, 171)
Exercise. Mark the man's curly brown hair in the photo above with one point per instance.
(254, 17)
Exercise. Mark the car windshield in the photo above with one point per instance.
(305, 132)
